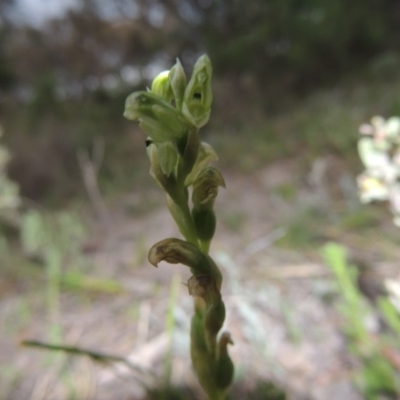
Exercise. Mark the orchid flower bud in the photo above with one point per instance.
(205, 188)
(198, 93)
(213, 322)
(178, 81)
(224, 370)
(205, 223)
(161, 86)
(206, 154)
(159, 119)
(167, 156)
(167, 182)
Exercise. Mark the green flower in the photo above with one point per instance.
(158, 119)
(198, 94)
(205, 187)
(161, 86)
(206, 154)
(177, 251)
(177, 79)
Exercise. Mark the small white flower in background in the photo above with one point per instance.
(371, 188)
(393, 288)
(379, 150)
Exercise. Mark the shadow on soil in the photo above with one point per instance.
(264, 390)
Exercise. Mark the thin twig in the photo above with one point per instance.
(94, 355)
(90, 169)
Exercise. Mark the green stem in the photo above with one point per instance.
(188, 148)
(205, 246)
(180, 211)
(217, 395)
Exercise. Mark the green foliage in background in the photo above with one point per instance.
(305, 42)
(294, 44)
(376, 375)
(64, 93)
(9, 191)
(56, 241)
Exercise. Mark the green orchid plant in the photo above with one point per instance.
(171, 114)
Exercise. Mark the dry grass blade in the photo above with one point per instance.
(94, 355)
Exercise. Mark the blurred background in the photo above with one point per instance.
(293, 81)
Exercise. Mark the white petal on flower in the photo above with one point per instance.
(393, 127)
(389, 174)
(394, 197)
(371, 189)
(366, 129)
(393, 287)
(377, 121)
(370, 156)
(396, 221)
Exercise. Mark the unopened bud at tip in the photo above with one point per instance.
(161, 86)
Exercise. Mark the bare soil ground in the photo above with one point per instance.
(281, 304)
